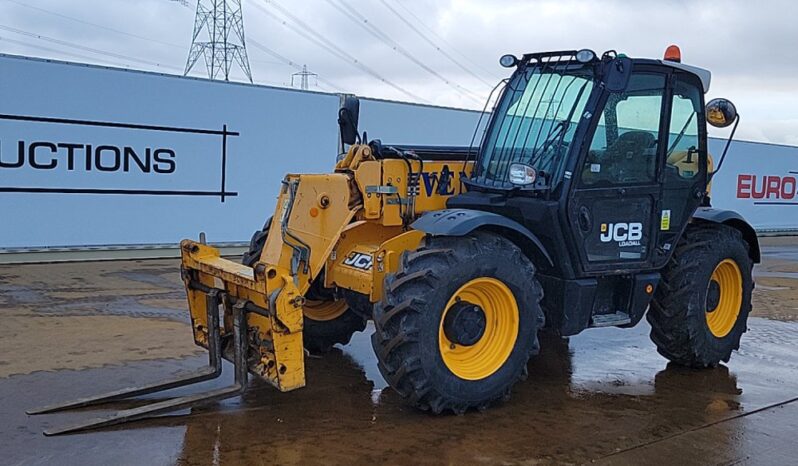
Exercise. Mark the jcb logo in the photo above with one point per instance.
(622, 232)
(359, 260)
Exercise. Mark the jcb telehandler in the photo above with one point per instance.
(585, 204)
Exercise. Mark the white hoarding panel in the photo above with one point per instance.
(97, 156)
(758, 181)
(412, 124)
(94, 156)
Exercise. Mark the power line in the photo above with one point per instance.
(288, 61)
(369, 27)
(86, 57)
(57, 51)
(81, 21)
(280, 59)
(421, 22)
(82, 47)
(118, 31)
(303, 29)
(308, 33)
(431, 42)
(303, 34)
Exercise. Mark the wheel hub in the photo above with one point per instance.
(724, 298)
(464, 323)
(713, 295)
(481, 333)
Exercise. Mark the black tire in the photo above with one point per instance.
(318, 336)
(256, 245)
(408, 319)
(678, 311)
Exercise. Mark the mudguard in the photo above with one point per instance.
(460, 222)
(735, 220)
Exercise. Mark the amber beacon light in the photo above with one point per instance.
(673, 53)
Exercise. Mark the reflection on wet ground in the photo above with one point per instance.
(603, 396)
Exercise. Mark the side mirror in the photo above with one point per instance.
(616, 73)
(721, 113)
(348, 116)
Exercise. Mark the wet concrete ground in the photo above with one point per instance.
(603, 397)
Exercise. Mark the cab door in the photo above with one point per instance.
(685, 163)
(613, 209)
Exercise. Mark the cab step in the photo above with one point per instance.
(610, 320)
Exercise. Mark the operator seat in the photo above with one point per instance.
(631, 158)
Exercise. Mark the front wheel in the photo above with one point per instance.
(700, 310)
(458, 322)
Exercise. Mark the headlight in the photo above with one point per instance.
(521, 174)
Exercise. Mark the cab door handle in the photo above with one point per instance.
(585, 220)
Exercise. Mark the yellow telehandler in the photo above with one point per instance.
(585, 203)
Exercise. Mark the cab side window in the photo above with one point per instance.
(682, 154)
(625, 145)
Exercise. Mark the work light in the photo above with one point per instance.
(585, 56)
(508, 61)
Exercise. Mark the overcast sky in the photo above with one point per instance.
(442, 52)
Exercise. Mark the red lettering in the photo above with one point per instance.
(770, 187)
(774, 186)
(758, 194)
(785, 192)
(744, 186)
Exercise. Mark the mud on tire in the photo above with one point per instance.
(319, 336)
(408, 320)
(678, 310)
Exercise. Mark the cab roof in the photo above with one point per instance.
(704, 75)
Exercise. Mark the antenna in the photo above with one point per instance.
(303, 77)
(218, 19)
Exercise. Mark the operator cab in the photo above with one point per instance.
(604, 160)
(614, 148)
(616, 103)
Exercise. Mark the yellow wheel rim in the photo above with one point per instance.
(722, 318)
(324, 310)
(489, 353)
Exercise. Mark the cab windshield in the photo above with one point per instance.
(535, 121)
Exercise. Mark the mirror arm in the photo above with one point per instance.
(725, 149)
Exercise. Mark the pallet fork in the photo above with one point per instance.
(214, 298)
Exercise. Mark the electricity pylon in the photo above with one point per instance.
(212, 40)
(303, 78)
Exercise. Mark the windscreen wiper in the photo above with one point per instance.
(555, 133)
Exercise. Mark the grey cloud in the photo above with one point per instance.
(749, 46)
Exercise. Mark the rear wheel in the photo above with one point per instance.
(458, 322)
(700, 310)
(329, 319)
